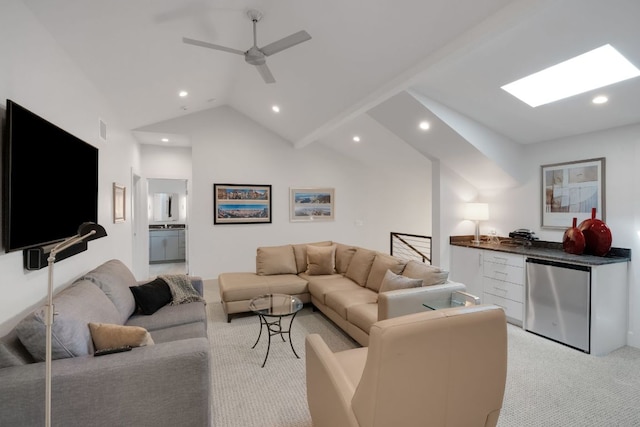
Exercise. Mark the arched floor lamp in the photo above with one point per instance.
(86, 232)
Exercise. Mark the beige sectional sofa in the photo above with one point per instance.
(353, 286)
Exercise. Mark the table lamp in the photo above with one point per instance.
(476, 212)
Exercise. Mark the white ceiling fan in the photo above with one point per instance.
(257, 55)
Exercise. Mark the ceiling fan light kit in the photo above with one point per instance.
(255, 55)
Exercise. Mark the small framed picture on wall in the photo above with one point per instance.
(312, 204)
(119, 202)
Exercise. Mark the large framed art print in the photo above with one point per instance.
(241, 204)
(571, 190)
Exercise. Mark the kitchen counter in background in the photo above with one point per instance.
(544, 249)
(578, 300)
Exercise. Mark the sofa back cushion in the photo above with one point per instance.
(115, 278)
(78, 305)
(344, 254)
(275, 260)
(381, 264)
(321, 260)
(300, 253)
(429, 274)
(12, 352)
(360, 265)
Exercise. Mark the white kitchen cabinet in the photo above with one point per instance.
(503, 279)
(466, 268)
(495, 277)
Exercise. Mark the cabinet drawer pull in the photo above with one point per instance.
(501, 272)
(500, 289)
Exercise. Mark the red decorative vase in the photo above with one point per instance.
(573, 241)
(597, 235)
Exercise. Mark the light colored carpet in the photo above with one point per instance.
(548, 384)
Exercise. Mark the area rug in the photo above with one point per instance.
(548, 384)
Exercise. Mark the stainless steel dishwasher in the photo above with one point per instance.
(558, 302)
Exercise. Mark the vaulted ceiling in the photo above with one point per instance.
(365, 57)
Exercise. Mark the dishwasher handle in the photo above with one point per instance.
(558, 264)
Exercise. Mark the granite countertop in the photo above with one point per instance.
(543, 249)
(164, 227)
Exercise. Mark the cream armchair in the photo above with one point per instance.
(438, 368)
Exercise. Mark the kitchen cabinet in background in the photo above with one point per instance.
(166, 246)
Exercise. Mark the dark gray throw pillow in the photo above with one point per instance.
(152, 296)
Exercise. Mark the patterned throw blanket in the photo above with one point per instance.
(181, 288)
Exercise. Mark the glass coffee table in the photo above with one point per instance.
(271, 309)
(457, 299)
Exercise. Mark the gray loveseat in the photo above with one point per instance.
(167, 383)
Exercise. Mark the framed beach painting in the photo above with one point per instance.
(311, 204)
(241, 204)
(571, 190)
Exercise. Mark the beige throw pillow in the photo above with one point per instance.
(321, 260)
(392, 282)
(429, 274)
(275, 260)
(381, 264)
(107, 335)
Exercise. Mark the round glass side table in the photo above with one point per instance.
(271, 309)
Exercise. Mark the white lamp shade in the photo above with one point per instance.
(476, 211)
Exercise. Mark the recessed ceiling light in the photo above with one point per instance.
(275, 109)
(600, 99)
(356, 138)
(183, 93)
(592, 70)
(165, 140)
(424, 125)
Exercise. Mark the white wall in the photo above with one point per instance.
(38, 75)
(520, 207)
(230, 148)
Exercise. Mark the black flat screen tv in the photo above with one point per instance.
(50, 181)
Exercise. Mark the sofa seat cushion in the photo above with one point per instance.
(340, 301)
(77, 306)
(179, 332)
(381, 264)
(363, 315)
(429, 274)
(244, 286)
(320, 286)
(170, 315)
(115, 279)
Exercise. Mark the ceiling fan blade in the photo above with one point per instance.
(285, 43)
(265, 73)
(211, 46)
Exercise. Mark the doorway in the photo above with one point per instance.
(168, 226)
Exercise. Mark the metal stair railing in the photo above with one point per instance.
(411, 247)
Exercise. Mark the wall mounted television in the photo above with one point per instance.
(50, 181)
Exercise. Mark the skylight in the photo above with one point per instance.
(592, 70)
